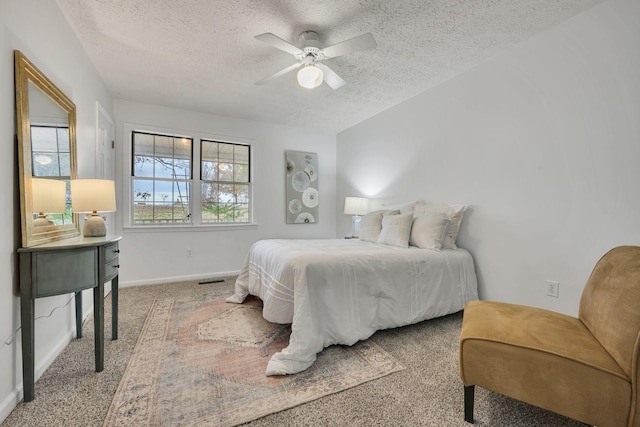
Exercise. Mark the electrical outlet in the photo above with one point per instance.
(553, 288)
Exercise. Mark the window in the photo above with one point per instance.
(224, 175)
(163, 188)
(162, 174)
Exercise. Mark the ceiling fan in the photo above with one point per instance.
(311, 56)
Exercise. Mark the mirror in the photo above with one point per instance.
(46, 121)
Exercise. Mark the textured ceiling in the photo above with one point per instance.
(201, 55)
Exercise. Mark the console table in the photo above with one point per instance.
(62, 267)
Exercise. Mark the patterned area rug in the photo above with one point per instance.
(200, 363)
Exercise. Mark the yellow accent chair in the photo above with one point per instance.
(585, 368)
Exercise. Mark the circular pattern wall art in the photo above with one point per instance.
(302, 187)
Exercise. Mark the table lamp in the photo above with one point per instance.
(93, 195)
(47, 196)
(355, 206)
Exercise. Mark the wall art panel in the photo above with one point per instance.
(302, 187)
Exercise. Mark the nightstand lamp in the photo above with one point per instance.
(47, 196)
(93, 195)
(355, 206)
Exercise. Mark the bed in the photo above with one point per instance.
(340, 291)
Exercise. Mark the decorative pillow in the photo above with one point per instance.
(401, 207)
(455, 212)
(396, 230)
(428, 230)
(391, 212)
(370, 226)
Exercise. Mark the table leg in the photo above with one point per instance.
(28, 342)
(114, 308)
(27, 313)
(78, 314)
(98, 321)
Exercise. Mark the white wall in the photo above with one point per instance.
(157, 256)
(39, 30)
(543, 143)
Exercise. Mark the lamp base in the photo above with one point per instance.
(94, 226)
(355, 226)
(42, 221)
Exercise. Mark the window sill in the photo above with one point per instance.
(189, 228)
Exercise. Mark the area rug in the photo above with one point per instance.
(202, 363)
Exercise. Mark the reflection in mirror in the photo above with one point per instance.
(49, 198)
(46, 134)
(50, 150)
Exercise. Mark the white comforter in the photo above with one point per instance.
(340, 291)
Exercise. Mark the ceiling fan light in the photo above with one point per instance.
(310, 76)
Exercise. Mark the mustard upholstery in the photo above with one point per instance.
(585, 368)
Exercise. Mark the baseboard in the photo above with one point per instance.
(160, 280)
(10, 403)
(14, 398)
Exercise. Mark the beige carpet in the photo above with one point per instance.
(427, 393)
(202, 363)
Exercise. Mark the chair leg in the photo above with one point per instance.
(468, 403)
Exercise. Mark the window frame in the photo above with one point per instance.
(233, 182)
(196, 223)
(157, 179)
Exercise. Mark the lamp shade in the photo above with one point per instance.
(93, 195)
(310, 76)
(356, 205)
(48, 195)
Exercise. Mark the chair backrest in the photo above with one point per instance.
(610, 305)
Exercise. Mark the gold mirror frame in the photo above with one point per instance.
(25, 73)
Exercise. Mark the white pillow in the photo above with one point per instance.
(454, 211)
(428, 230)
(401, 207)
(370, 226)
(396, 230)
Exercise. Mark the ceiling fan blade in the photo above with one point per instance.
(363, 42)
(279, 73)
(279, 43)
(331, 78)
